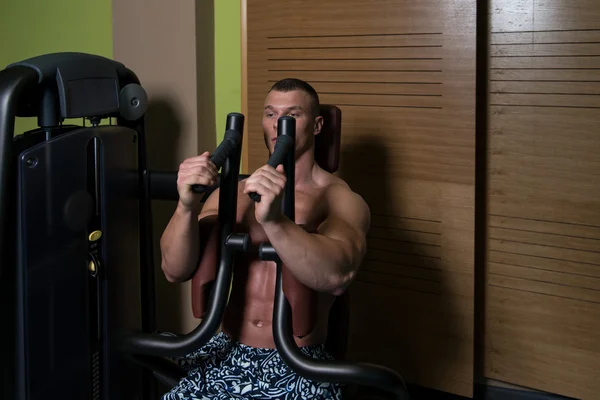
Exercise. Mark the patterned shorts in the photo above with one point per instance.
(223, 369)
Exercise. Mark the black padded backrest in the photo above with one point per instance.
(328, 141)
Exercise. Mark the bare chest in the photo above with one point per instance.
(310, 212)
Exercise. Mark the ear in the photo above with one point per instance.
(318, 125)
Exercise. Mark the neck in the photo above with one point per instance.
(305, 166)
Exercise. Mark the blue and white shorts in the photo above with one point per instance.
(224, 369)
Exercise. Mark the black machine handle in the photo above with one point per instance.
(364, 374)
(175, 346)
(163, 184)
(283, 145)
(231, 140)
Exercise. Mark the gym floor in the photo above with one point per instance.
(483, 392)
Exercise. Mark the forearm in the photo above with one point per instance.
(319, 262)
(180, 244)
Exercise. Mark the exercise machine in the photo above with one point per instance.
(76, 272)
(74, 228)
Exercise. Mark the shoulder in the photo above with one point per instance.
(335, 186)
(346, 204)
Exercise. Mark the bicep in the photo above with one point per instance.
(348, 221)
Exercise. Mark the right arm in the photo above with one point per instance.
(180, 243)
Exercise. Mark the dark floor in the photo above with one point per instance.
(483, 392)
(416, 393)
(419, 393)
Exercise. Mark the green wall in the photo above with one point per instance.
(228, 62)
(32, 27)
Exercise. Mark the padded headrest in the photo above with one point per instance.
(328, 141)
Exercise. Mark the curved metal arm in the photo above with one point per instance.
(326, 371)
(282, 147)
(363, 374)
(178, 346)
(169, 346)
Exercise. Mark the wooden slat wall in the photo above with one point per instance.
(543, 255)
(403, 73)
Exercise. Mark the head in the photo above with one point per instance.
(295, 98)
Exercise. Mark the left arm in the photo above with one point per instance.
(326, 261)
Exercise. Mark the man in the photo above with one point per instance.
(323, 255)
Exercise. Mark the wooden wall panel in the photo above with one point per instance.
(403, 73)
(543, 239)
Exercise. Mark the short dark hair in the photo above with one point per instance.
(290, 84)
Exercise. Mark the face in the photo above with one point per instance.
(294, 104)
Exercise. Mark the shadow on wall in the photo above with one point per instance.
(395, 317)
(163, 131)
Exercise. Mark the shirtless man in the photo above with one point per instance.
(324, 255)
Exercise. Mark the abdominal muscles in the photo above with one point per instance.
(249, 314)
